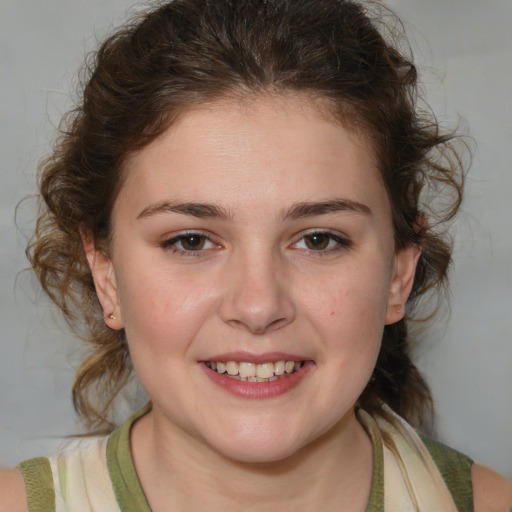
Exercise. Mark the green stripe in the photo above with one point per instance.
(376, 500)
(39, 484)
(129, 494)
(455, 469)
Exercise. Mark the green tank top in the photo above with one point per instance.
(454, 467)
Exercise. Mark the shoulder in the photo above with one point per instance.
(12, 490)
(491, 491)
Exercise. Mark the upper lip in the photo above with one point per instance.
(249, 357)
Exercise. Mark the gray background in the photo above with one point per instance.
(464, 48)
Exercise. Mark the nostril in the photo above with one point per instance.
(260, 328)
(279, 323)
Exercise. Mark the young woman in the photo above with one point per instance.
(235, 213)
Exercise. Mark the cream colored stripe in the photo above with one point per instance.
(412, 482)
(426, 487)
(82, 482)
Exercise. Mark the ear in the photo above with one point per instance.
(406, 260)
(104, 280)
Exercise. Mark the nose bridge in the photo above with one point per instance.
(256, 296)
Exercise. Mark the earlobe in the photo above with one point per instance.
(104, 278)
(406, 260)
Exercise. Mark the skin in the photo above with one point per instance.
(257, 285)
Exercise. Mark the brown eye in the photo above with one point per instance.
(189, 243)
(323, 242)
(317, 241)
(192, 242)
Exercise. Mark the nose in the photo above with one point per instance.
(257, 295)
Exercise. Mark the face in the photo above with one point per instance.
(253, 270)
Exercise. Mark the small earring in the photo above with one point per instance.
(398, 308)
(112, 316)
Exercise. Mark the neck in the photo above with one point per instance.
(177, 472)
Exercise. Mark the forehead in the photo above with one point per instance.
(270, 148)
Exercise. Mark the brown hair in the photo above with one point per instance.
(186, 52)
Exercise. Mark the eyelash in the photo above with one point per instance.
(172, 244)
(340, 243)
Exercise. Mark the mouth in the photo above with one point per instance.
(255, 372)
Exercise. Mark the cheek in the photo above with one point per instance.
(161, 309)
(348, 313)
(352, 301)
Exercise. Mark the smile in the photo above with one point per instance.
(252, 372)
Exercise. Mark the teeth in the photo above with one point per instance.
(246, 369)
(251, 372)
(232, 368)
(265, 370)
(279, 367)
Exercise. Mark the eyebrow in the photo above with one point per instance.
(200, 210)
(311, 209)
(296, 211)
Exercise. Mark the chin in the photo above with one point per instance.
(259, 444)
(256, 453)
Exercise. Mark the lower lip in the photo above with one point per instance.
(258, 390)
